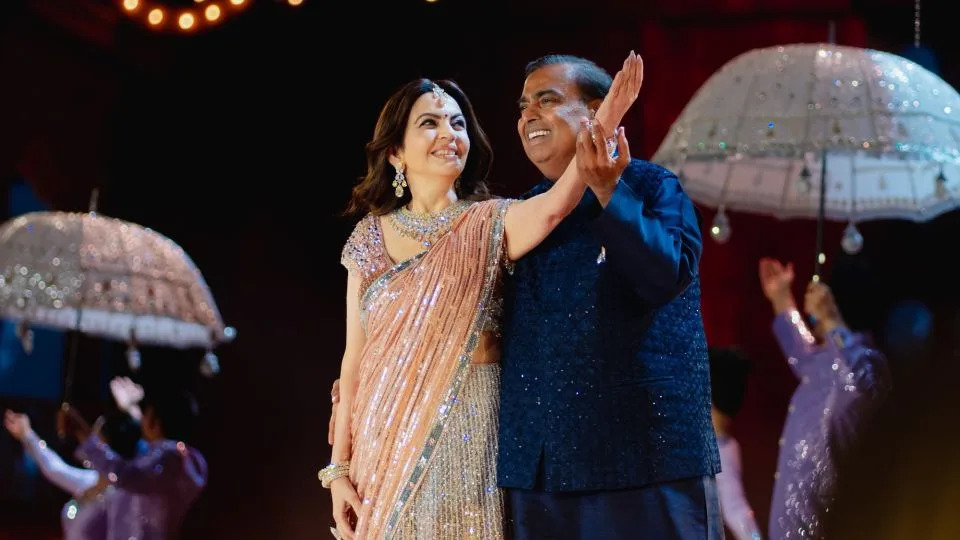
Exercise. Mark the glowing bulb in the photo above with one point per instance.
(155, 17)
(237, 2)
(212, 12)
(294, 2)
(720, 228)
(186, 21)
(131, 5)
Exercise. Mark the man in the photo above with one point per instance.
(605, 427)
(842, 382)
(156, 489)
(728, 383)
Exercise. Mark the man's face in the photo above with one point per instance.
(550, 112)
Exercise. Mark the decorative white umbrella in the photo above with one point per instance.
(109, 278)
(760, 135)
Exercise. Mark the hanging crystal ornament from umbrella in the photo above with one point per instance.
(108, 278)
(817, 130)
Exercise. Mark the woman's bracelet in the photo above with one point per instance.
(333, 471)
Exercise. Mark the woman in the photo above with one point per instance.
(84, 517)
(419, 385)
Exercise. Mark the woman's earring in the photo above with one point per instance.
(399, 182)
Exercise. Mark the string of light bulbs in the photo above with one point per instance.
(161, 15)
(916, 23)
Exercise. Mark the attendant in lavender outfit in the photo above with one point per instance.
(842, 382)
(728, 383)
(156, 489)
(84, 517)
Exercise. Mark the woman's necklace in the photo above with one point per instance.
(426, 228)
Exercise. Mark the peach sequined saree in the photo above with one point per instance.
(422, 318)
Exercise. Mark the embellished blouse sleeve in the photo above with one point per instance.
(356, 251)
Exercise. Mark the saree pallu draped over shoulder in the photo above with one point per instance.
(423, 318)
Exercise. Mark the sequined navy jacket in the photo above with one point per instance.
(605, 371)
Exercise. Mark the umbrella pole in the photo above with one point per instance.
(69, 370)
(818, 261)
(75, 338)
(71, 361)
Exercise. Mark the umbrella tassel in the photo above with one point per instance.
(133, 354)
(25, 334)
(210, 365)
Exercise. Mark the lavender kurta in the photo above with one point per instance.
(153, 491)
(80, 521)
(842, 381)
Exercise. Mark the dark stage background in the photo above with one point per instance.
(241, 143)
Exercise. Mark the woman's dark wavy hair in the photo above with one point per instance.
(374, 192)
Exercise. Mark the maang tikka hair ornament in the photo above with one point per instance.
(439, 93)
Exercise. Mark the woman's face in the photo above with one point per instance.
(435, 143)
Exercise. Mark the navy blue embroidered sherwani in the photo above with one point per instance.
(605, 424)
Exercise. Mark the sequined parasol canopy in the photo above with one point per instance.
(105, 277)
(764, 130)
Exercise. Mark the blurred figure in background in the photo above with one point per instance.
(157, 488)
(84, 517)
(843, 379)
(728, 384)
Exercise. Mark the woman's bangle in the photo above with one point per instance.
(332, 472)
